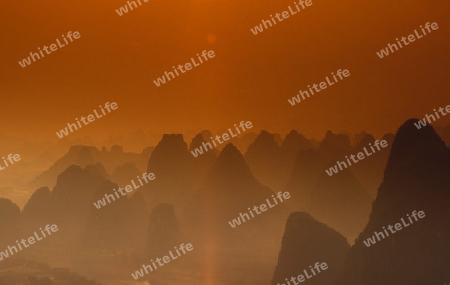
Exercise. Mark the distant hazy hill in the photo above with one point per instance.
(83, 155)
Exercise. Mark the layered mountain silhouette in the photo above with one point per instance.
(123, 174)
(39, 209)
(335, 146)
(9, 222)
(115, 226)
(203, 162)
(359, 137)
(85, 155)
(229, 189)
(98, 170)
(77, 155)
(292, 144)
(341, 202)
(305, 242)
(416, 178)
(308, 167)
(163, 231)
(68, 205)
(175, 175)
(73, 195)
(202, 200)
(264, 158)
(242, 143)
(370, 170)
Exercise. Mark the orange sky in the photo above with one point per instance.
(251, 77)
